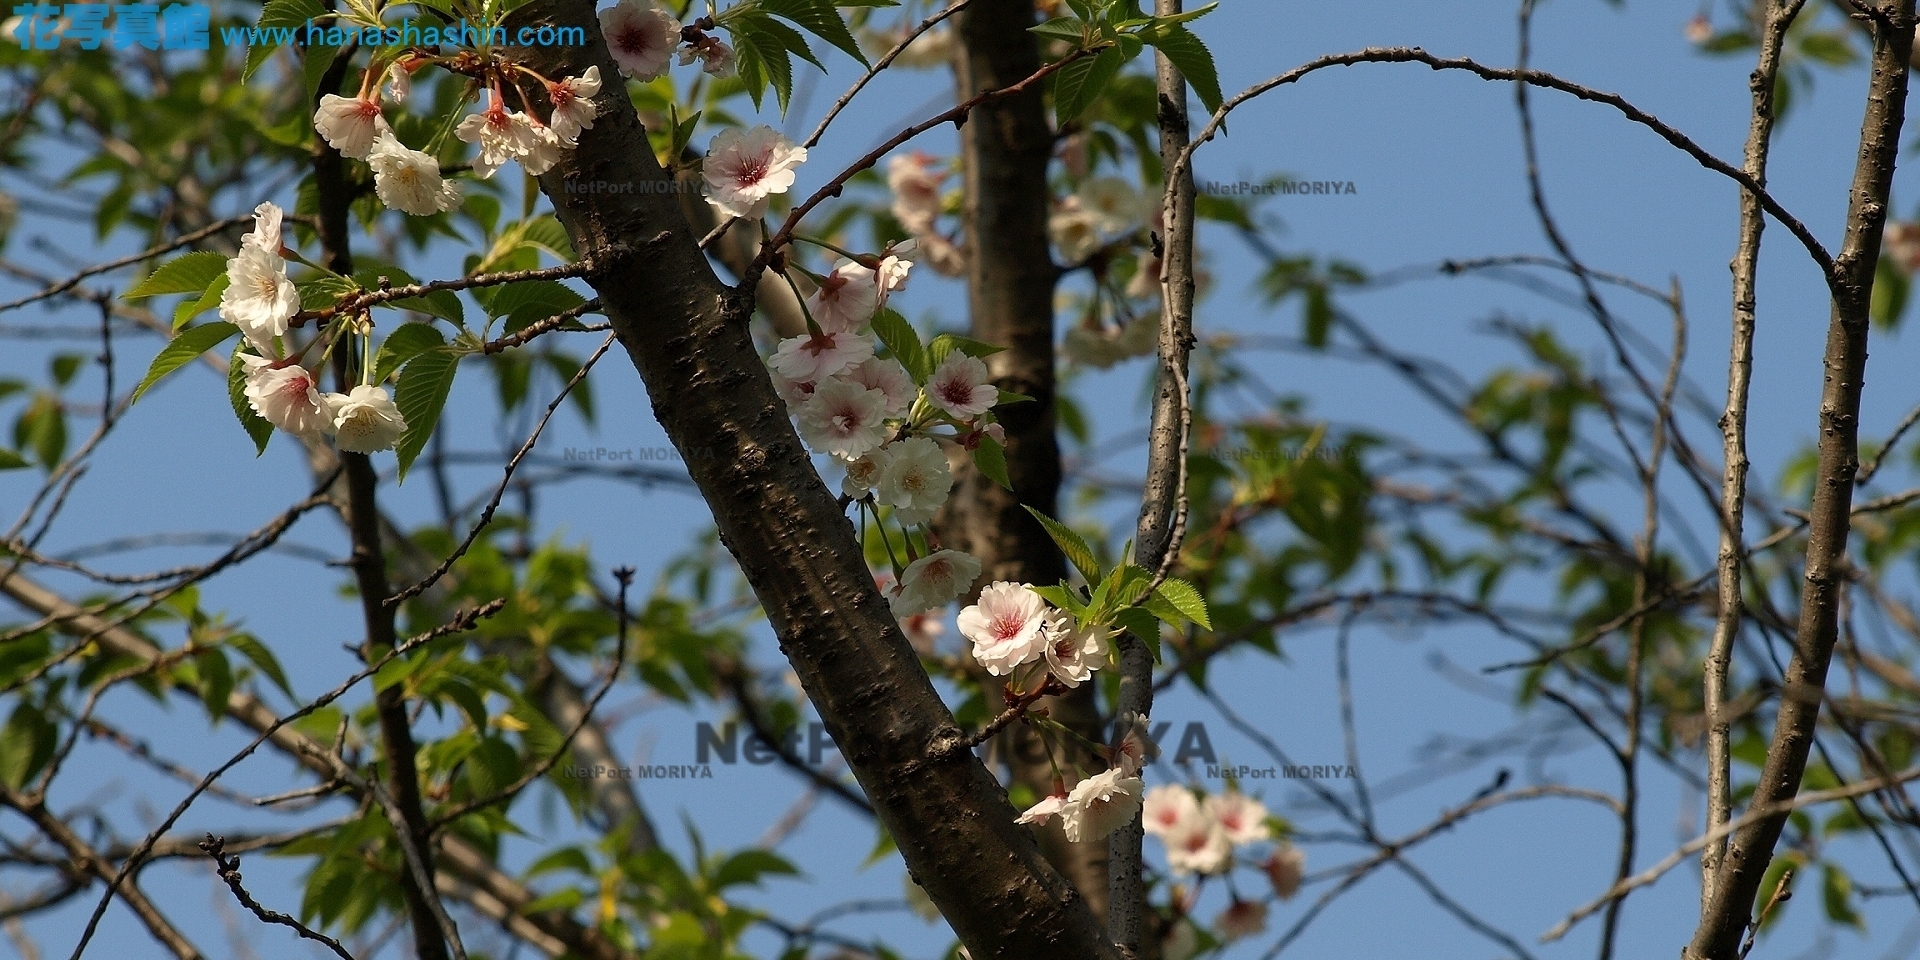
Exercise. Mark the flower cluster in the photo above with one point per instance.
(1102, 803)
(1013, 626)
(642, 38)
(915, 181)
(262, 301)
(1201, 836)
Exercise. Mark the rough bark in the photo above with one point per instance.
(686, 334)
(1007, 145)
(1728, 909)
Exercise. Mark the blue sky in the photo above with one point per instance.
(1436, 162)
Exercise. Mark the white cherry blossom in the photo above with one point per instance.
(915, 479)
(810, 358)
(266, 229)
(641, 37)
(501, 134)
(843, 418)
(847, 298)
(399, 81)
(1100, 805)
(716, 58)
(1074, 653)
(743, 169)
(544, 146)
(863, 473)
(409, 180)
(259, 298)
(349, 124)
(886, 375)
(959, 386)
(933, 581)
(1167, 806)
(287, 397)
(366, 420)
(1113, 203)
(1243, 818)
(573, 107)
(1198, 845)
(915, 179)
(1074, 232)
(1043, 811)
(1008, 627)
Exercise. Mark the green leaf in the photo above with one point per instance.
(1081, 82)
(280, 13)
(12, 461)
(904, 343)
(1075, 549)
(42, 428)
(1183, 597)
(314, 62)
(216, 683)
(188, 309)
(256, 425)
(407, 341)
(424, 384)
(947, 343)
(1065, 598)
(1836, 891)
(1142, 624)
(1890, 290)
(821, 19)
(761, 57)
(1184, 50)
(546, 233)
(261, 657)
(26, 744)
(748, 866)
(526, 303)
(1008, 396)
(1062, 28)
(192, 273)
(991, 459)
(184, 349)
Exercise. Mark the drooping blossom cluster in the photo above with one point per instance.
(261, 300)
(1102, 803)
(915, 181)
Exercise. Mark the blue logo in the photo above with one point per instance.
(178, 26)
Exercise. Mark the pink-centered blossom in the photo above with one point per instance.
(544, 145)
(1242, 818)
(349, 124)
(501, 134)
(915, 179)
(366, 420)
(1198, 845)
(573, 106)
(1073, 653)
(844, 419)
(914, 480)
(959, 386)
(287, 397)
(641, 37)
(1241, 919)
(934, 580)
(807, 358)
(1100, 805)
(716, 58)
(1167, 806)
(744, 168)
(1008, 626)
(847, 298)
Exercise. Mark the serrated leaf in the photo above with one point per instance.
(1076, 550)
(191, 273)
(1184, 50)
(546, 233)
(762, 59)
(1081, 82)
(184, 349)
(261, 657)
(256, 425)
(819, 18)
(947, 343)
(904, 343)
(424, 384)
(407, 341)
(279, 13)
(1063, 597)
(991, 459)
(1184, 598)
(314, 62)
